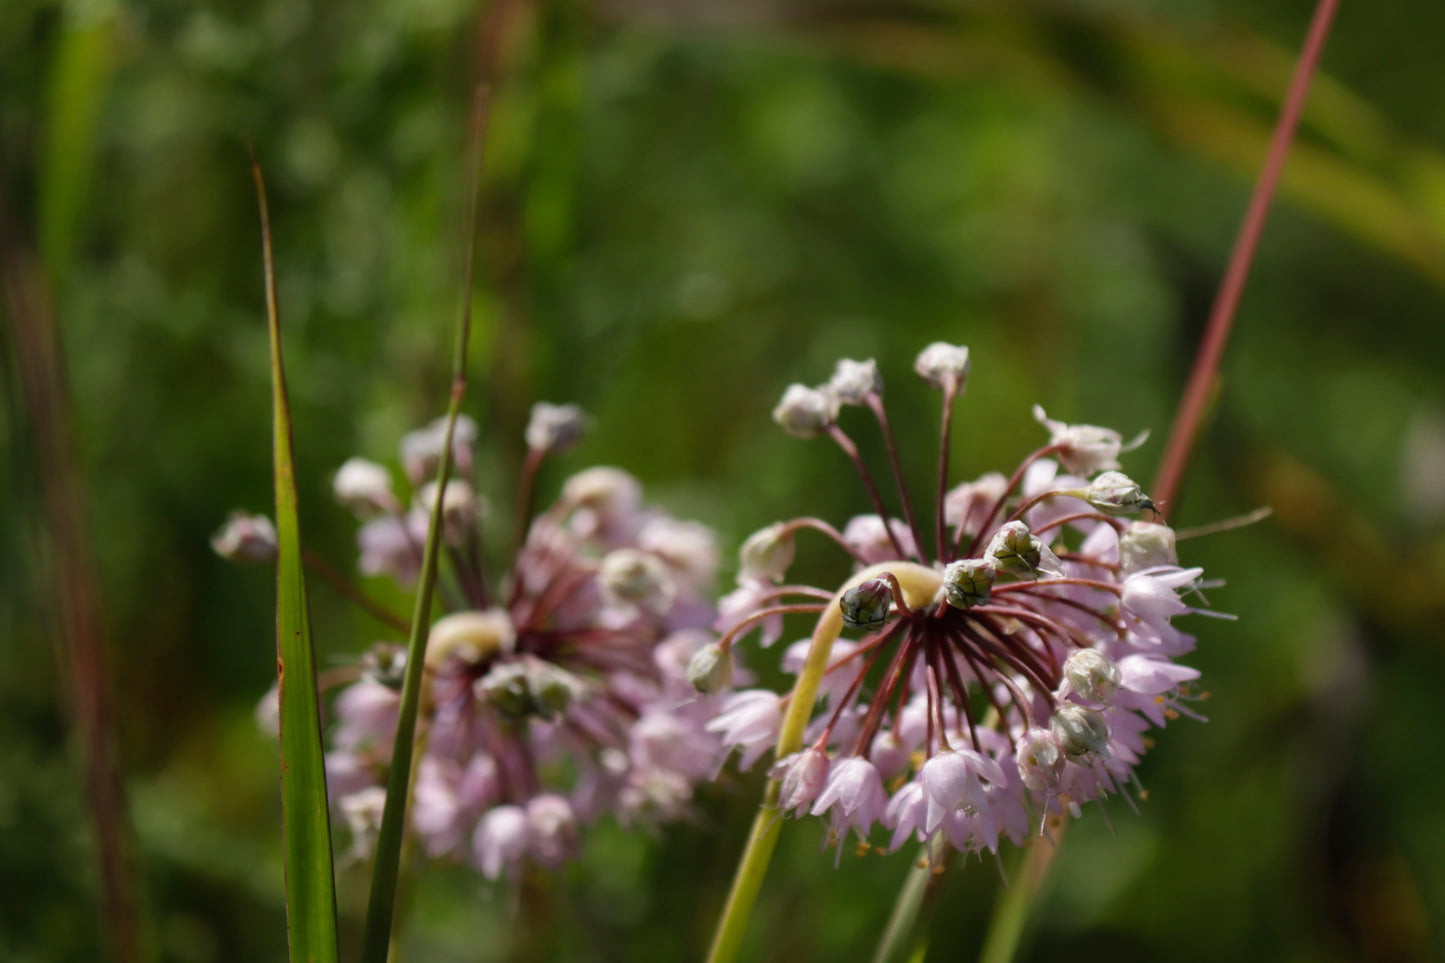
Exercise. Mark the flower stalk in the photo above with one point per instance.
(919, 585)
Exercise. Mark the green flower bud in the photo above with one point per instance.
(1146, 545)
(1116, 493)
(711, 669)
(1081, 732)
(767, 553)
(969, 582)
(865, 606)
(385, 664)
(1092, 676)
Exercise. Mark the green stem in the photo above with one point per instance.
(922, 882)
(1012, 911)
(920, 586)
(382, 902)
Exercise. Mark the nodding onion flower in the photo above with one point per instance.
(1010, 650)
(557, 688)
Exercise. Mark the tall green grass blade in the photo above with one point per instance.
(382, 903)
(305, 818)
(79, 80)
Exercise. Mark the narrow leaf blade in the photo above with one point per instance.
(305, 819)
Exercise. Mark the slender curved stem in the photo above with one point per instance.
(1006, 925)
(1221, 318)
(376, 938)
(921, 883)
(921, 585)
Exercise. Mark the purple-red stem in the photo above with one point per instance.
(1221, 318)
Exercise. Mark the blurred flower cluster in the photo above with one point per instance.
(556, 691)
(1008, 662)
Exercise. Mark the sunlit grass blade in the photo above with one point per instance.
(305, 818)
(382, 902)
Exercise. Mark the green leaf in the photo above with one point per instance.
(382, 902)
(305, 818)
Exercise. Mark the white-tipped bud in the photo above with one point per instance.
(362, 811)
(364, 487)
(1091, 676)
(865, 606)
(460, 508)
(1115, 493)
(806, 412)
(966, 507)
(246, 538)
(969, 581)
(1040, 760)
(854, 381)
(767, 553)
(803, 775)
(629, 577)
(555, 428)
(711, 669)
(470, 637)
(385, 664)
(1080, 732)
(529, 686)
(1146, 545)
(943, 365)
(610, 493)
(551, 830)
(1085, 449)
(421, 450)
(1018, 551)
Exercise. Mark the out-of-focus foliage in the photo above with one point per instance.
(687, 206)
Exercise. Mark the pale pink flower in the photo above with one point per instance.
(1052, 613)
(854, 791)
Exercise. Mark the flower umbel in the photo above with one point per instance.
(555, 693)
(1007, 673)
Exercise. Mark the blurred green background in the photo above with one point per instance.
(688, 206)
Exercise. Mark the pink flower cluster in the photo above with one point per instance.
(1022, 681)
(554, 694)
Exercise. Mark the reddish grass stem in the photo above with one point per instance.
(1221, 318)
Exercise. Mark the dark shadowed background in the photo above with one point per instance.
(686, 207)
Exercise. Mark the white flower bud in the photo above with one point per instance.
(1085, 449)
(529, 686)
(767, 553)
(460, 508)
(1080, 732)
(555, 428)
(711, 669)
(969, 581)
(471, 637)
(1146, 545)
(942, 365)
(385, 664)
(610, 493)
(1115, 493)
(629, 577)
(421, 450)
(1040, 760)
(865, 605)
(246, 538)
(966, 507)
(1018, 551)
(364, 487)
(1091, 676)
(805, 412)
(854, 381)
